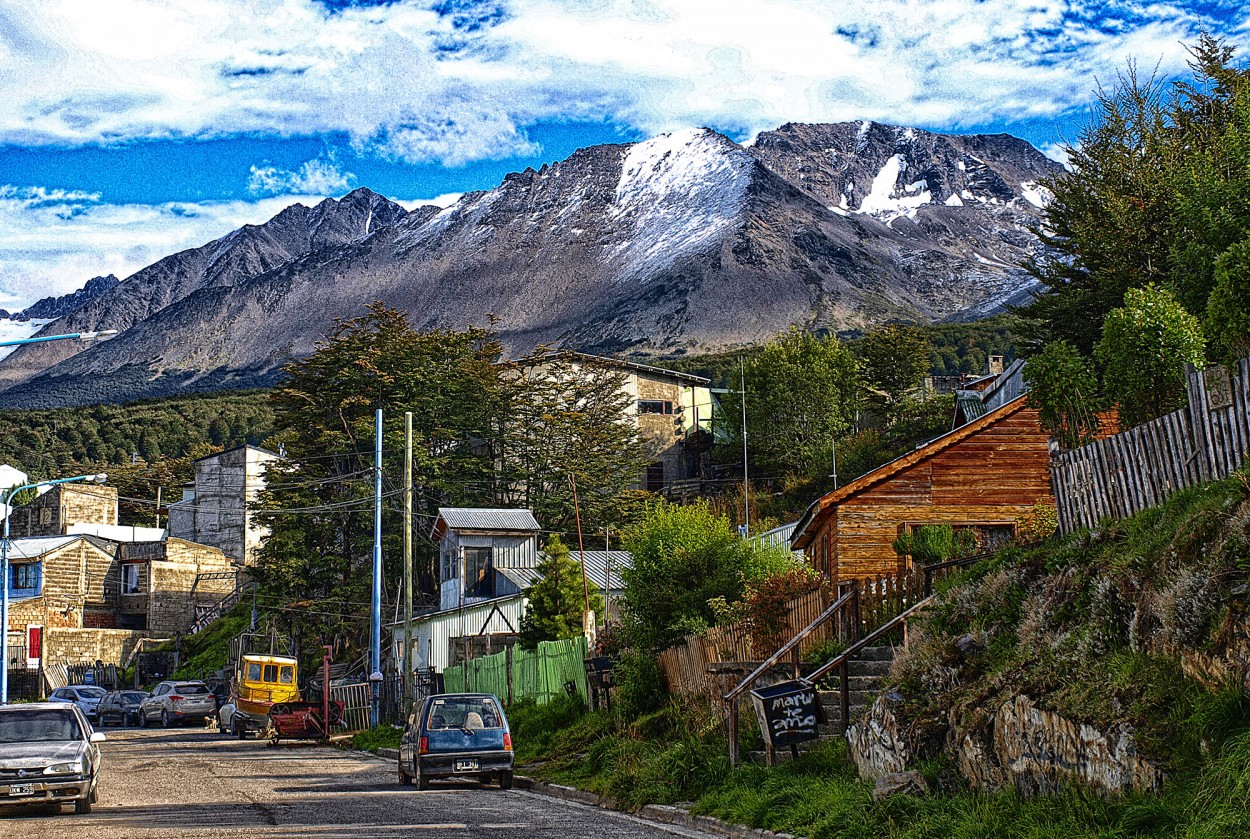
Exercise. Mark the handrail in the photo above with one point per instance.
(844, 656)
(787, 647)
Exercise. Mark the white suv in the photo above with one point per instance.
(174, 702)
(86, 697)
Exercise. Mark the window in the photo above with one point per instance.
(654, 406)
(253, 672)
(286, 675)
(271, 673)
(26, 576)
(479, 573)
(448, 566)
(655, 477)
(471, 712)
(130, 578)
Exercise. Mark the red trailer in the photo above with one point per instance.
(306, 720)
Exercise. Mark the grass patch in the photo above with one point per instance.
(209, 650)
(381, 737)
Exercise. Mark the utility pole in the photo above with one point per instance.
(407, 659)
(580, 546)
(746, 479)
(375, 635)
(158, 505)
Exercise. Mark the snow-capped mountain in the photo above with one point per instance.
(686, 242)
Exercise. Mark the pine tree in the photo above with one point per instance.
(557, 599)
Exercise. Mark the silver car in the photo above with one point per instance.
(174, 702)
(86, 697)
(48, 755)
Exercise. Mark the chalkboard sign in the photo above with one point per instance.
(789, 712)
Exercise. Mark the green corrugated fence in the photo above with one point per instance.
(541, 675)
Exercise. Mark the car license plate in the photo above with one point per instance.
(21, 789)
(465, 766)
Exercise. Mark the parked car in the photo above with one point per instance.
(121, 705)
(457, 735)
(48, 754)
(86, 697)
(173, 702)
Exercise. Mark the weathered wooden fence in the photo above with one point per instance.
(1126, 473)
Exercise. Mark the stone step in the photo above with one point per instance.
(782, 755)
(833, 698)
(871, 667)
(885, 653)
(855, 683)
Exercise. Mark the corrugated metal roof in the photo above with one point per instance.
(30, 547)
(522, 578)
(475, 518)
(597, 563)
(969, 401)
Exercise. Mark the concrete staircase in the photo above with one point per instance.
(865, 674)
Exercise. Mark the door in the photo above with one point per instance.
(34, 646)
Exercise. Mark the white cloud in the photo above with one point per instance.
(53, 241)
(445, 200)
(1057, 151)
(314, 177)
(404, 81)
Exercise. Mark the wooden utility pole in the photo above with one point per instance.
(746, 479)
(407, 698)
(158, 505)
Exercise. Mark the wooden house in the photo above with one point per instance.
(984, 475)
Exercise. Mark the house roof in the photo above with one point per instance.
(33, 547)
(803, 532)
(597, 563)
(235, 449)
(689, 378)
(522, 578)
(476, 518)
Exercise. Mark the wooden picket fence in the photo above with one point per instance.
(1140, 468)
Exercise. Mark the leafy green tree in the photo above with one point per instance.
(1063, 387)
(557, 599)
(1228, 308)
(1108, 227)
(563, 417)
(802, 393)
(894, 359)
(1143, 351)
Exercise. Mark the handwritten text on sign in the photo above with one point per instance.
(793, 713)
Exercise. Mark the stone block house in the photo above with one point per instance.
(215, 510)
(63, 601)
(160, 585)
(62, 507)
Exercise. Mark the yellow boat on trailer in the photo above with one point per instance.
(261, 681)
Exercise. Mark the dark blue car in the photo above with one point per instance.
(457, 735)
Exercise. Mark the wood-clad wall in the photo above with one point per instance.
(993, 476)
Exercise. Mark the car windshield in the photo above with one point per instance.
(34, 725)
(465, 712)
(91, 693)
(192, 690)
(132, 698)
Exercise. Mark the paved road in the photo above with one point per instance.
(197, 783)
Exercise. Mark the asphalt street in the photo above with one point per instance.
(197, 783)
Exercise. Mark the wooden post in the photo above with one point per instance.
(734, 756)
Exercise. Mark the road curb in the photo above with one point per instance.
(662, 813)
(391, 754)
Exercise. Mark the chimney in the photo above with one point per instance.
(994, 365)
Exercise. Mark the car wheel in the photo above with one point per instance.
(240, 730)
(134, 719)
(143, 718)
(404, 778)
(83, 806)
(165, 719)
(505, 779)
(423, 783)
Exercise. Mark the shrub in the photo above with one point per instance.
(1064, 390)
(641, 683)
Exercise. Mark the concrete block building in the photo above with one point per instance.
(215, 511)
(62, 507)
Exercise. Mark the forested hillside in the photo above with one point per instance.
(51, 443)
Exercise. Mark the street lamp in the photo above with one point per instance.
(102, 335)
(4, 553)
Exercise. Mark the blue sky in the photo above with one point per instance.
(130, 129)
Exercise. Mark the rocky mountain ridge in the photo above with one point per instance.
(684, 242)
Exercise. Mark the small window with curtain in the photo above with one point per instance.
(130, 578)
(25, 576)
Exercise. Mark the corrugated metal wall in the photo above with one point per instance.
(432, 634)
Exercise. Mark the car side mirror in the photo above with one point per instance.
(98, 737)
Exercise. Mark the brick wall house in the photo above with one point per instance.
(65, 505)
(160, 584)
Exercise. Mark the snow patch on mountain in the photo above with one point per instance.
(1036, 194)
(677, 195)
(883, 200)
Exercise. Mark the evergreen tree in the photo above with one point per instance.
(557, 599)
